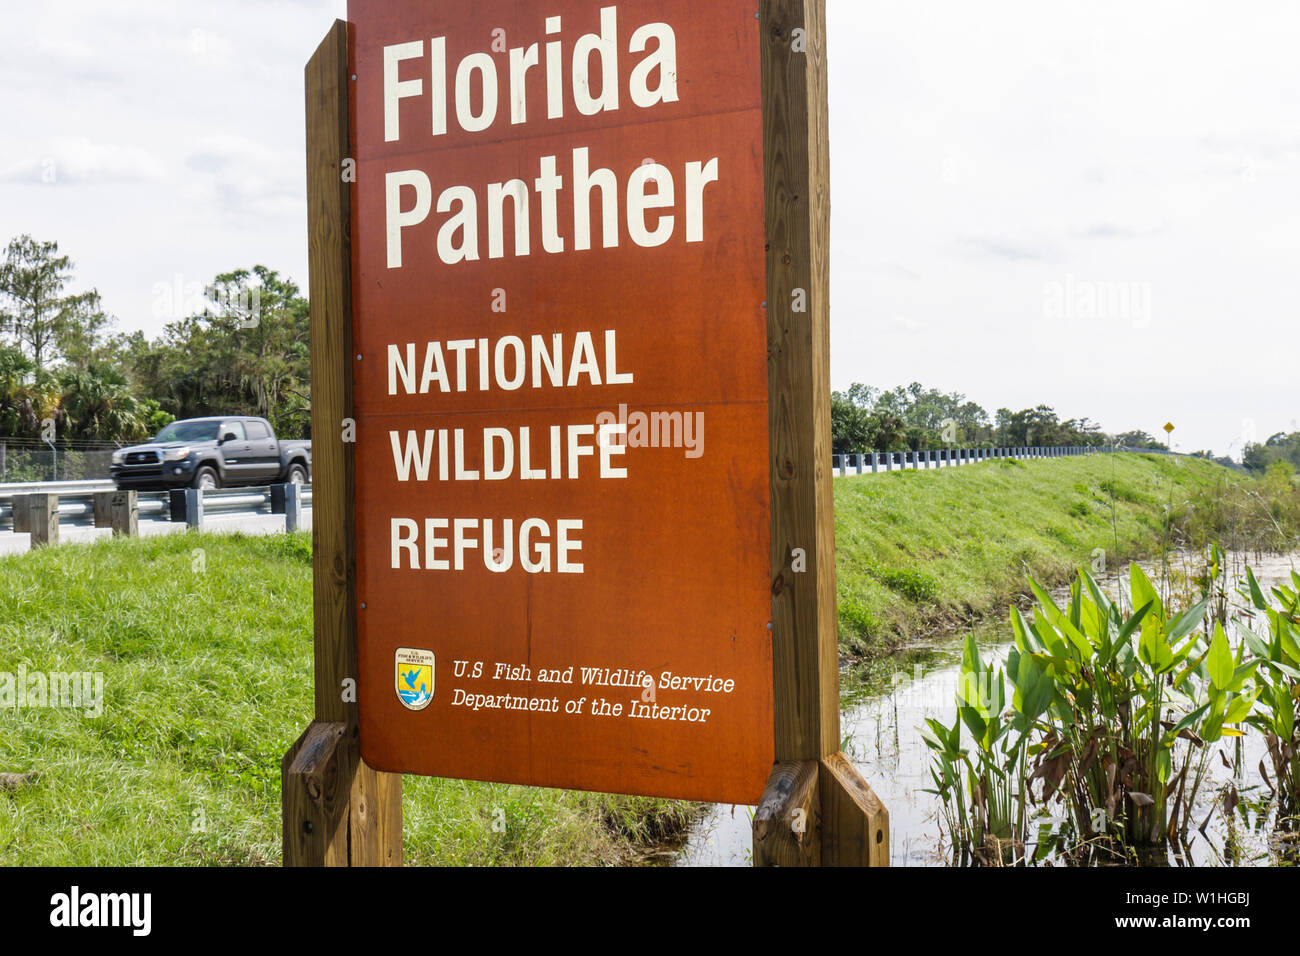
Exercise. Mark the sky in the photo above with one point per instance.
(1092, 205)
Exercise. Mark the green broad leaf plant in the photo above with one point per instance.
(1107, 711)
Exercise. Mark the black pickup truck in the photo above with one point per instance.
(212, 453)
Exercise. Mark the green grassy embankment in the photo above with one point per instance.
(925, 551)
(183, 766)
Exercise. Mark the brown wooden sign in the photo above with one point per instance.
(570, 400)
(560, 393)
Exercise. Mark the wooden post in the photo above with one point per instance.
(816, 808)
(43, 519)
(124, 517)
(336, 810)
(20, 508)
(103, 508)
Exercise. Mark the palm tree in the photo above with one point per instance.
(27, 396)
(97, 403)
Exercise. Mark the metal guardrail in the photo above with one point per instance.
(874, 462)
(54, 487)
(77, 500)
(244, 499)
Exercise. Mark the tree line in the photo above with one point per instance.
(239, 346)
(1282, 448)
(916, 418)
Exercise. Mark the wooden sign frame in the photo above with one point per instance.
(336, 810)
(816, 809)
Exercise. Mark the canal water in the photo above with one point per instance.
(884, 703)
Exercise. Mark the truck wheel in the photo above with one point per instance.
(297, 475)
(206, 478)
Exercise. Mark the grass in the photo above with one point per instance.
(183, 767)
(925, 551)
(204, 642)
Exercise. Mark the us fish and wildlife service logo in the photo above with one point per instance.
(414, 677)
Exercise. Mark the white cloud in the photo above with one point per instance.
(77, 162)
(998, 147)
(176, 126)
(979, 151)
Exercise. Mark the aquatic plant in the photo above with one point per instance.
(1278, 715)
(985, 785)
(1113, 709)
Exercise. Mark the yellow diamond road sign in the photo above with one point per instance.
(1169, 427)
